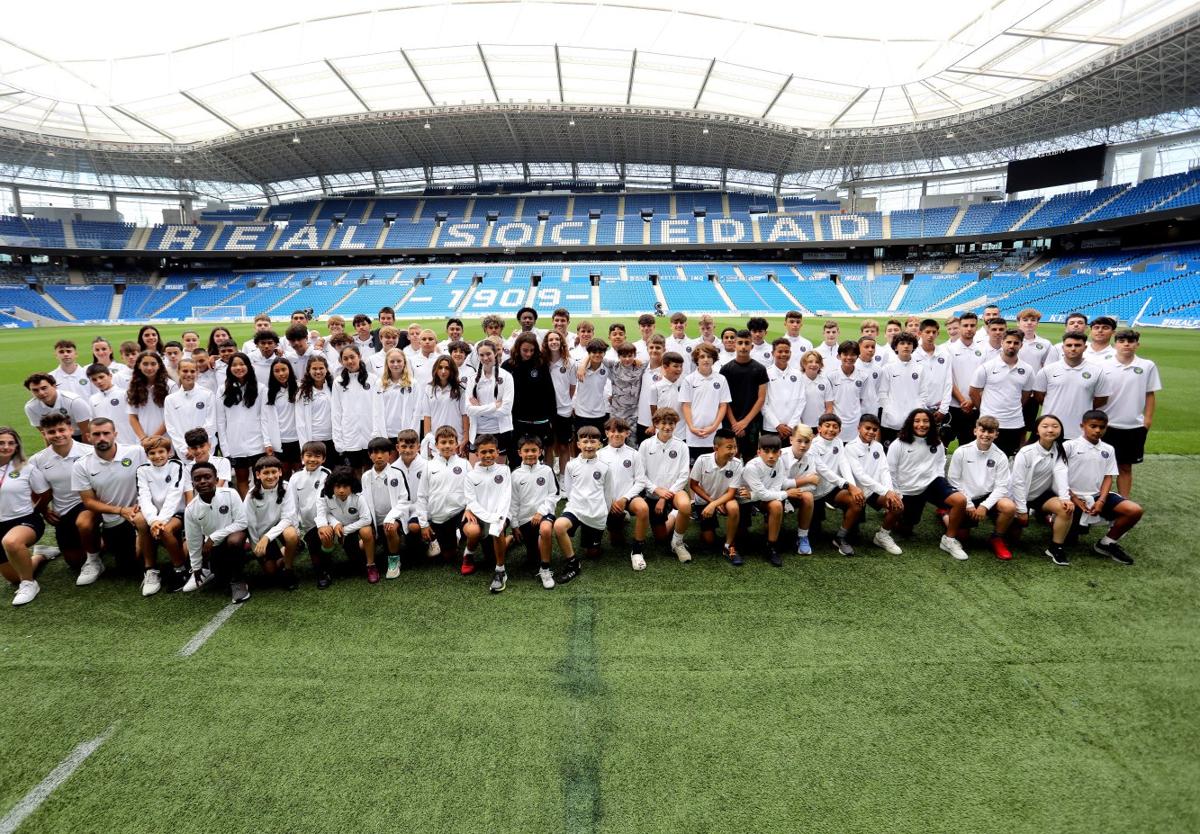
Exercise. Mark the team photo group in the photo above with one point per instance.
(367, 448)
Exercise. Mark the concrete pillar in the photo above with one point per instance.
(1146, 163)
(16, 198)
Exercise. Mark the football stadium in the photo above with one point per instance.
(539, 416)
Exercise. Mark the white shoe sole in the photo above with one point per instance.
(88, 579)
(638, 563)
(19, 599)
(960, 555)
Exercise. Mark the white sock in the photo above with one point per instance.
(93, 557)
(676, 539)
(802, 532)
(1108, 540)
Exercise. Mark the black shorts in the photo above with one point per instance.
(598, 422)
(1029, 412)
(694, 452)
(541, 429)
(657, 517)
(446, 533)
(1035, 505)
(707, 523)
(33, 521)
(1108, 512)
(289, 452)
(244, 462)
(504, 442)
(1009, 441)
(561, 428)
(589, 536)
(1129, 445)
(274, 552)
(937, 492)
(66, 533)
(356, 459)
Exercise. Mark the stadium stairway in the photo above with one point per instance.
(114, 309)
(1099, 206)
(898, 298)
(952, 229)
(841, 288)
(58, 307)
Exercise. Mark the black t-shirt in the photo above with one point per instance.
(744, 381)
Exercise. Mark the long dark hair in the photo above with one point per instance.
(341, 476)
(213, 350)
(274, 387)
(907, 434)
(564, 354)
(141, 338)
(142, 388)
(246, 391)
(452, 383)
(364, 378)
(308, 383)
(266, 462)
(1059, 448)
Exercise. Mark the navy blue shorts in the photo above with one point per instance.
(589, 537)
(937, 492)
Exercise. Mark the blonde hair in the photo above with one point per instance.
(807, 354)
(801, 430)
(18, 458)
(385, 378)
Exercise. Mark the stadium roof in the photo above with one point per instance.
(228, 89)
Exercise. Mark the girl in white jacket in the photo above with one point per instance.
(271, 521)
(190, 406)
(282, 390)
(160, 499)
(396, 404)
(354, 395)
(314, 407)
(490, 402)
(1038, 484)
(243, 423)
(917, 462)
(344, 515)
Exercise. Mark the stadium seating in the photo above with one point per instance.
(1147, 196)
(92, 235)
(84, 303)
(920, 223)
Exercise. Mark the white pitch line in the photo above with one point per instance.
(34, 799)
(209, 630)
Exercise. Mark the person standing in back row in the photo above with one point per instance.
(748, 382)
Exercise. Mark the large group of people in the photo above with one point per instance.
(396, 446)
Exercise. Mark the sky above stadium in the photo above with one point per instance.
(143, 72)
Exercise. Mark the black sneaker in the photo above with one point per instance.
(176, 579)
(774, 558)
(1114, 551)
(499, 581)
(570, 569)
(324, 580)
(732, 555)
(287, 579)
(1058, 555)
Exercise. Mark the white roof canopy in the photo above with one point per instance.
(139, 72)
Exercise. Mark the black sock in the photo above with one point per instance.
(638, 546)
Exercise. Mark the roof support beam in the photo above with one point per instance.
(284, 99)
(1096, 40)
(208, 110)
(144, 123)
(337, 72)
(412, 68)
(704, 83)
(778, 93)
(487, 71)
(849, 105)
(1000, 74)
(632, 70)
(562, 99)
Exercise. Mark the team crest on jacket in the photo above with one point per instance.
(352, 510)
(875, 455)
(114, 401)
(858, 383)
(915, 375)
(1021, 371)
(126, 462)
(395, 482)
(793, 377)
(991, 464)
(602, 372)
(717, 385)
(541, 481)
(1104, 455)
(533, 374)
(820, 386)
(672, 454)
(200, 404)
(458, 470)
(941, 360)
(597, 475)
(499, 479)
(836, 450)
(1087, 374)
(561, 369)
(223, 509)
(728, 473)
(1137, 370)
(628, 464)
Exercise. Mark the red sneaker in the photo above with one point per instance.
(373, 574)
(468, 566)
(1000, 549)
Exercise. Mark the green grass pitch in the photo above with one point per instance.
(866, 694)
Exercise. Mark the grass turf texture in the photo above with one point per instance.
(877, 693)
(1175, 430)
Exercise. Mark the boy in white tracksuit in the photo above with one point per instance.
(488, 493)
(385, 488)
(770, 488)
(627, 483)
(980, 471)
(534, 499)
(271, 521)
(160, 498)
(665, 467)
(869, 465)
(441, 497)
(588, 487)
(344, 515)
(837, 485)
(215, 527)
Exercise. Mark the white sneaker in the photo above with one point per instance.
(434, 549)
(638, 561)
(151, 584)
(952, 546)
(681, 552)
(206, 576)
(26, 591)
(547, 578)
(239, 592)
(884, 539)
(90, 572)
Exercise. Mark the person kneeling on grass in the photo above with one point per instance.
(868, 462)
(714, 480)
(441, 499)
(588, 487)
(770, 486)
(917, 460)
(531, 516)
(801, 470)
(980, 471)
(1091, 470)
(488, 491)
(271, 521)
(836, 487)
(664, 460)
(215, 527)
(628, 477)
(160, 498)
(386, 489)
(20, 526)
(344, 516)
(1038, 484)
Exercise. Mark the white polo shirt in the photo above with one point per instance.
(1069, 391)
(75, 383)
(113, 481)
(705, 394)
(935, 370)
(58, 472)
(113, 405)
(590, 397)
(848, 392)
(1087, 466)
(1035, 352)
(763, 354)
(665, 394)
(1002, 386)
(800, 346)
(1128, 386)
(964, 361)
(684, 348)
(72, 405)
(817, 392)
(713, 479)
(1099, 356)
(785, 398)
(901, 389)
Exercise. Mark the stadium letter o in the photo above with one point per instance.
(523, 234)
